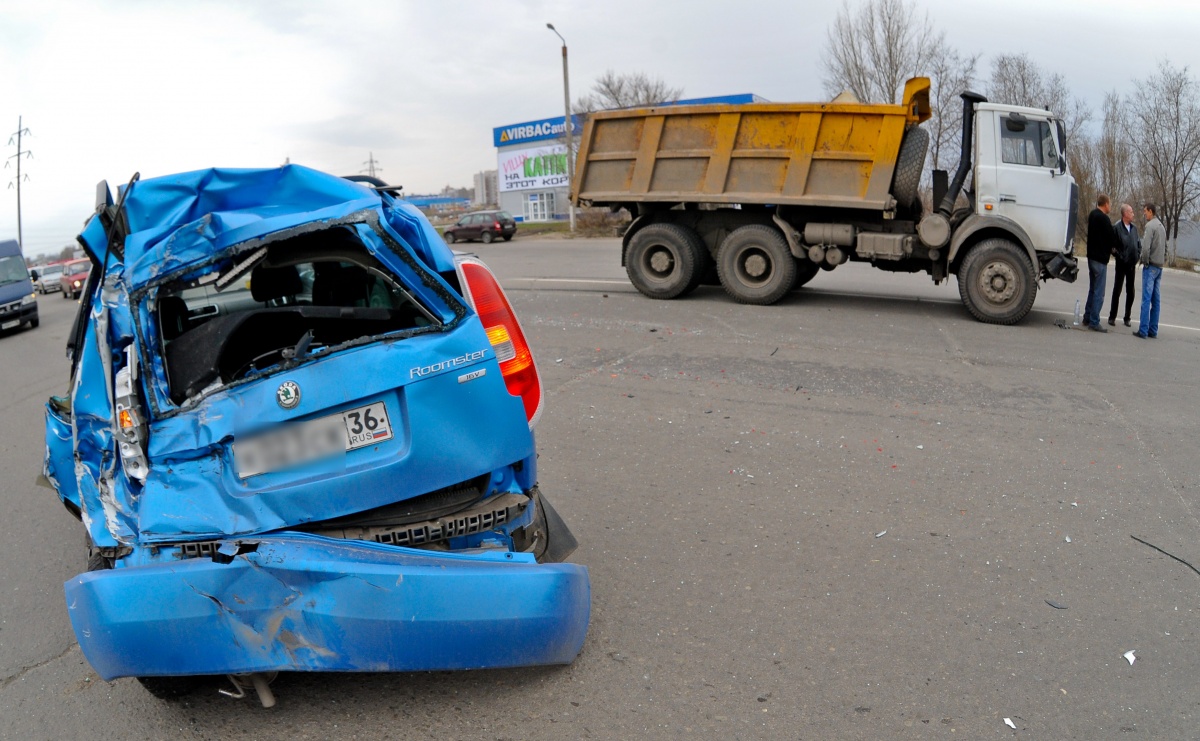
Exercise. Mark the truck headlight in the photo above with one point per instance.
(30, 299)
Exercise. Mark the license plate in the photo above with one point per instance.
(301, 442)
(10, 325)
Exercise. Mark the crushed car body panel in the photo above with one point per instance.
(292, 442)
(306, 602)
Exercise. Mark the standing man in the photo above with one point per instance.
(1154, 254)
(1101, 245)
(1129, 247)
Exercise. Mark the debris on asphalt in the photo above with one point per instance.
(775, 351)
(920, 447)
(1129, 656)
(1068, 538)
(1056, 605)
(1160, 550)
(1008, 722)
(881, 533)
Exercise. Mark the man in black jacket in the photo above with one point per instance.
(1129, 247)
(1101, 245)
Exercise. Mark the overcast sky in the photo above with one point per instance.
(110, 88)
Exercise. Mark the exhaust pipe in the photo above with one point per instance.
(964, 163)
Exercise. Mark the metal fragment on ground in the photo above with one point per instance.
(1056, 605)
(881, 533)
(1008, 722)
(1129, 656)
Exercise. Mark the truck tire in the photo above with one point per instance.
(906, 182)
(755, 265)
(704, 266)
(806, 270)
(996, 282)
(663, 261)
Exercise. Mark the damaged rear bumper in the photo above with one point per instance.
(300, 602)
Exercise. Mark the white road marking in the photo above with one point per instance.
(948, 302)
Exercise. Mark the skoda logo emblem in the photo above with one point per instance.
(288, 395)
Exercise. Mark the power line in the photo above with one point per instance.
(16, 136)
(372, 165)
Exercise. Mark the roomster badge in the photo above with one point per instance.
(288, 395)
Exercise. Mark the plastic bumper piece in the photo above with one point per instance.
(307, 603)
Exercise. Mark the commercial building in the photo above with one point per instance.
(531, 158)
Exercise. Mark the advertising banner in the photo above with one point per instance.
(535, 168)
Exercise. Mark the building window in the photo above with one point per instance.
(539, 207)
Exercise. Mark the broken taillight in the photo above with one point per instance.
(504, 332)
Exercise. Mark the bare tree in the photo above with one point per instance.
(873, 50)
(1116, 172)
(950, 73)
(625, 90)
(1165, 115)
(1018, 80)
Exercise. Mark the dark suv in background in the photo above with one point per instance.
(484, 226)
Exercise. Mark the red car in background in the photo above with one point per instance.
(74, 275)
(485, 226)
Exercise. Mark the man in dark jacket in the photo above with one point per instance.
(1101, 245)
(1130, 246)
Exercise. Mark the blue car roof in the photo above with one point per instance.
(180, 220)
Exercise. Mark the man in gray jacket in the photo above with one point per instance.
(1128, 247)
(1154, 254)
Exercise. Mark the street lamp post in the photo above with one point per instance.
(569, 128)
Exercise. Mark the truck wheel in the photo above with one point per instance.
(755, 265)
(996, 282)
(662, 260)
(806, 270)
(906, 182)
(704, 265)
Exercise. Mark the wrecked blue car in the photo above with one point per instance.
(299, 435)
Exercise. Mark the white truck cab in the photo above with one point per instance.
(1021, 174)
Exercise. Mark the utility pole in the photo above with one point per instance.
(372, 165)
(567, 122)
(16, 138)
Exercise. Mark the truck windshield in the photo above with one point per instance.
(12, 270)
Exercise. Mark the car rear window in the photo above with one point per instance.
(307, 296)
(504, 216)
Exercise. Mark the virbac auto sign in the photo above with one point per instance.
(547, 128)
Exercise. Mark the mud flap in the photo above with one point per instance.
(561, 542)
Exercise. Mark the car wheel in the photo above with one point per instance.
(755, 265)
(996, 282)
(663, 260)
(450, 238)
(33, 323)
(508, 237)
(487, 237)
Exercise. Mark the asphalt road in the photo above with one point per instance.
(840, 517)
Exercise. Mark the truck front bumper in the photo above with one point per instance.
(1062, 266)
(299, 602)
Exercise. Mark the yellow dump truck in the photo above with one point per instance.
(766, 195)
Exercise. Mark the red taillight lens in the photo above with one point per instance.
(504, 332)
(496, 226)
